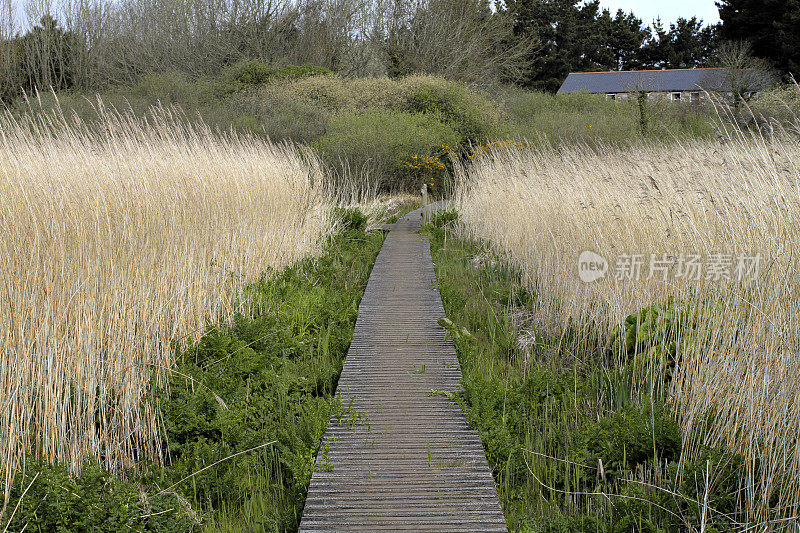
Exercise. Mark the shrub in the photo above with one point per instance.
(251, 72)
(246, 74)
(333, 93)
(592, 119)
(781, 103)
(167, 88)
(384, 144)
(631, 436)
(301, 71)
(351, 219)
(469, 113)
(293, 120)
(94, 501)
(577, 117)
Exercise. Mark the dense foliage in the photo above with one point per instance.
(772, 26)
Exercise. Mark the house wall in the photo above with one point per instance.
(685, 96)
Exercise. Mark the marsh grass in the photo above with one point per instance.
(731, 377)
(120, 242)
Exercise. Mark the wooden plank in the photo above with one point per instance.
(402, 457)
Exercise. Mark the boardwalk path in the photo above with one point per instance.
(410, 463)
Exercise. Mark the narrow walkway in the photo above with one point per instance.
(402, 458)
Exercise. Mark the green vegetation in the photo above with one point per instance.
(390, 142)
(592, 119)
(261, 387)
(571, 446)
(95, 501)
(387, 134)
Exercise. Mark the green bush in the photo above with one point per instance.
(167, 88)
(632, 436)
(781, 104)
(332, 93)
(95, 501)
(246, 74)
(293, 120)
(592, 119)
(472, 115)
(577, 117)
(352, 219)
(468, 113)
(300, 71)
(251, 72)
(386, 144)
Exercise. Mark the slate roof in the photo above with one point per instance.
(649, 80)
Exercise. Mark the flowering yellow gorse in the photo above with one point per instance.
(431, 169)
(425, 163)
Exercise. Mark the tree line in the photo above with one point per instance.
(90, 44)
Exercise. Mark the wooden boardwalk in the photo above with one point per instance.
(402, 458)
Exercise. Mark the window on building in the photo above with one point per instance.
(695, 97)
(611, 96)
(676, 97)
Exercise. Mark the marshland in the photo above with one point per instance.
(192, 196)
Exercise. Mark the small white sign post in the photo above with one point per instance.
(425, 216)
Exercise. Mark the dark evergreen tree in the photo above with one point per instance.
(575, 37)
(687, 44)
(771, 26)
(627, 38)
(691, 44)
(553, 23)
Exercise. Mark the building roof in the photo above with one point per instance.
(627, 81)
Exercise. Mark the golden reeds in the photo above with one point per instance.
(116, 241)
(737, 379)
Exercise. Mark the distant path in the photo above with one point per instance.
(410, 462)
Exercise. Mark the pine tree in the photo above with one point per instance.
(771, 26)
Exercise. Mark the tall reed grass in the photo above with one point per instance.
(736, 379)
(117, 242)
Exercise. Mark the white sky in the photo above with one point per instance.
(669, 10)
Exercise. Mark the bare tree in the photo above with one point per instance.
(88, 44)
(8, 53)
(743, 75)
(458, 39)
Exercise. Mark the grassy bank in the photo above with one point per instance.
(264, 383)
(572, 446)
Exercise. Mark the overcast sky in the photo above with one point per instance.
(668, 10)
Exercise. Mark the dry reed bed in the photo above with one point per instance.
(540, 210)
(116, 242)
